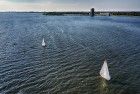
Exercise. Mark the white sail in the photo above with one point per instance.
(104, 72)
(43, 42)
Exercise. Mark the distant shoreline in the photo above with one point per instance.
(97, 13)
(84, 13)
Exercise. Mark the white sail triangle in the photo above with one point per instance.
(43, 42)
(104, 72)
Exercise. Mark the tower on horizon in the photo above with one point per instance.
(92, 12)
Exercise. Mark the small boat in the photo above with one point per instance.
(104, 72)
(43, 43)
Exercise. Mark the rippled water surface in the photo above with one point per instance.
(75, 51)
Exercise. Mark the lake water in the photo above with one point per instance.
(75, 51)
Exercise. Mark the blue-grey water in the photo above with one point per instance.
(75, 51)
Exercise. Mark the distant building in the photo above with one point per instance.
(104, 14)
(92, 12)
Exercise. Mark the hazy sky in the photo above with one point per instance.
(69, 5)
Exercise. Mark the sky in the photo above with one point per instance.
(69, 5)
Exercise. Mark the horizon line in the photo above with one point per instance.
(78, 11)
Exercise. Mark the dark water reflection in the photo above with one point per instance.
(71, 62)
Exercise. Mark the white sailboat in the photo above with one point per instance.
(43, 43)
(104, 72)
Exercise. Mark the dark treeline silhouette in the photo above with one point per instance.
(66, 13)
(133, 13)
(115, 13)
